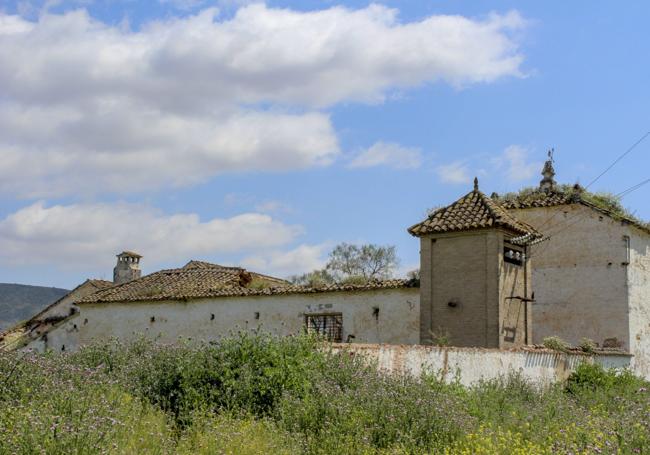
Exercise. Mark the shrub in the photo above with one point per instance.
(440, 337)
(592, 376)
(587, 345)
(353, 408)
(556, 344)
(247, 372)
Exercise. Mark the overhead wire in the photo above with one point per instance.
(632, 147)
(619, 195)
(624, 193)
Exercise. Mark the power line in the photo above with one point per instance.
(619, 159)
(624, 193)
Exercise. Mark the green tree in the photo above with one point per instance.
(352, 264)
(370, 262)
(314, 279)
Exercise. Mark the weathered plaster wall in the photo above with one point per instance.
(639, 301)
(579, 275)
(470, 365)
(396, 321)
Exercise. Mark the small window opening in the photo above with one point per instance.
(626, 243)
(513, 255)
(153, 319)
(257, 315)
(329, 325)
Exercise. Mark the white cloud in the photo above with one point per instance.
(88, 106)
(183, 5)
(273, 207)
(302, 259)
(388, 154)
(456, 172)
(515, 164)
(85, 235)
(133, 149)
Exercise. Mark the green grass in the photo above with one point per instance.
(255, 394)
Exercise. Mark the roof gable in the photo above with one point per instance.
(577, 195)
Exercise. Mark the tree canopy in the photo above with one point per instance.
(353, 263)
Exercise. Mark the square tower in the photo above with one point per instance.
(475, 274)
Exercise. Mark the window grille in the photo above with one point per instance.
(329, 326)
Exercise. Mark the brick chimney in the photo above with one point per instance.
(127, 267)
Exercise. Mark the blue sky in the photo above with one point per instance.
(264, 134)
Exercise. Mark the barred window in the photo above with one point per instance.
(328, 325)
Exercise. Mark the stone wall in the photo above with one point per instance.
(469, 365)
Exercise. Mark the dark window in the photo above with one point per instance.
(328, 325)
(513, 255)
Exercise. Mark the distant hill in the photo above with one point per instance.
(20, 301)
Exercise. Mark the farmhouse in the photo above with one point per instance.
(495, 272)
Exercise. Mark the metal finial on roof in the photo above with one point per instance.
(475, 183)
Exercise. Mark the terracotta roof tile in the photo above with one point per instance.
(540, 199)
(201, 280)
(208, 265)
(475, 210)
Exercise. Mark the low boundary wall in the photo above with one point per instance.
(469, 365)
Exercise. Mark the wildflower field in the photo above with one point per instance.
(254, 394)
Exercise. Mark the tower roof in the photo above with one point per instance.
(475, 210)
(129, 254)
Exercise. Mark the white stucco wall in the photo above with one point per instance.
(397, 321)
(639, 301)
(579, 275)
(469, 365)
